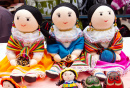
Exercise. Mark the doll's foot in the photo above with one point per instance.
(30, 77)
(52, 74)
(16, 75)
(17, 79)
(101, 76)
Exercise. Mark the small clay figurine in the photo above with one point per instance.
(68, 78)
(113, 81)
(10, 83)
(92, 82)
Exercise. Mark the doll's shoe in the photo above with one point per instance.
(30, 77)
(52, 74)
(100, 76)
(16, 78)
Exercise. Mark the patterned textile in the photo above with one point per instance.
(116, 44)
(16, 45)
(70, 85)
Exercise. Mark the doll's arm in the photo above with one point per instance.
(56, 57)
(11, 57)
(118, 58)
(75, 54)
(95, 55)
(37, 56)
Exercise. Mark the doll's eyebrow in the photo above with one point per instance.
(58, 13)
(27, 17)
(109, 11)
(100, 12)
(69, 12)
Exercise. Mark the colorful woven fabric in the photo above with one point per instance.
(116, 44)
(70, 85)
(16, 45)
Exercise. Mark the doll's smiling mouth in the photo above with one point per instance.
(65, 22)
(105, 20)
(23, 25)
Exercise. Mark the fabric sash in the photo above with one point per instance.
(115, 45)
(16, 45)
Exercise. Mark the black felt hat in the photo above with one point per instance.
(74, 8)
(34, 11)
(93, 8)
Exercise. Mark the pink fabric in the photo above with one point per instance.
(49, 83)
(122, 66)
(117, 4)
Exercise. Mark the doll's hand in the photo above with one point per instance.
(118, 58)
(96, 57)
(33, 62)
(13, 62)
(57, 58)
(73, 57)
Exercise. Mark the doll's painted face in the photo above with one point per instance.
(25, 21)
(103, 17)
(7, 84)
(64, 18)
(68, 76)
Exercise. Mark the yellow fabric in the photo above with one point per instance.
(45, 64)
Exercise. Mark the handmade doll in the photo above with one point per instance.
(92, 82)
(25, 49)
(69, 40)
(68, 78)
(10, 83)
(113, 81)
(104, 42)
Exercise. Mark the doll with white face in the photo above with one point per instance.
(69, 39)
(104, 42)
(69, 79)
(25, 48)
(9, 83)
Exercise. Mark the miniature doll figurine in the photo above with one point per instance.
(92, 82)
(26, 56)
(10, 83)
(69, 39)
(104, 42)
(113, 81)
(68, 78)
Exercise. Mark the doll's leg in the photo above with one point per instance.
(55, 70)
(33, 74)
(98, 73)
(16, 75)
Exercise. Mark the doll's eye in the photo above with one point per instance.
(58, 14)
(8, 85)
(27, 19)
(109, 13)
(101, 13)
(70, 74)
(17, 18)
(69, 14)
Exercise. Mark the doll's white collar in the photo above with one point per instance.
(67, 36)
(99, 36)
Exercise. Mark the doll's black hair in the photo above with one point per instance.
(62, 81)
(38, 16)
(10, 82)
(93, 8)
(69, 5)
